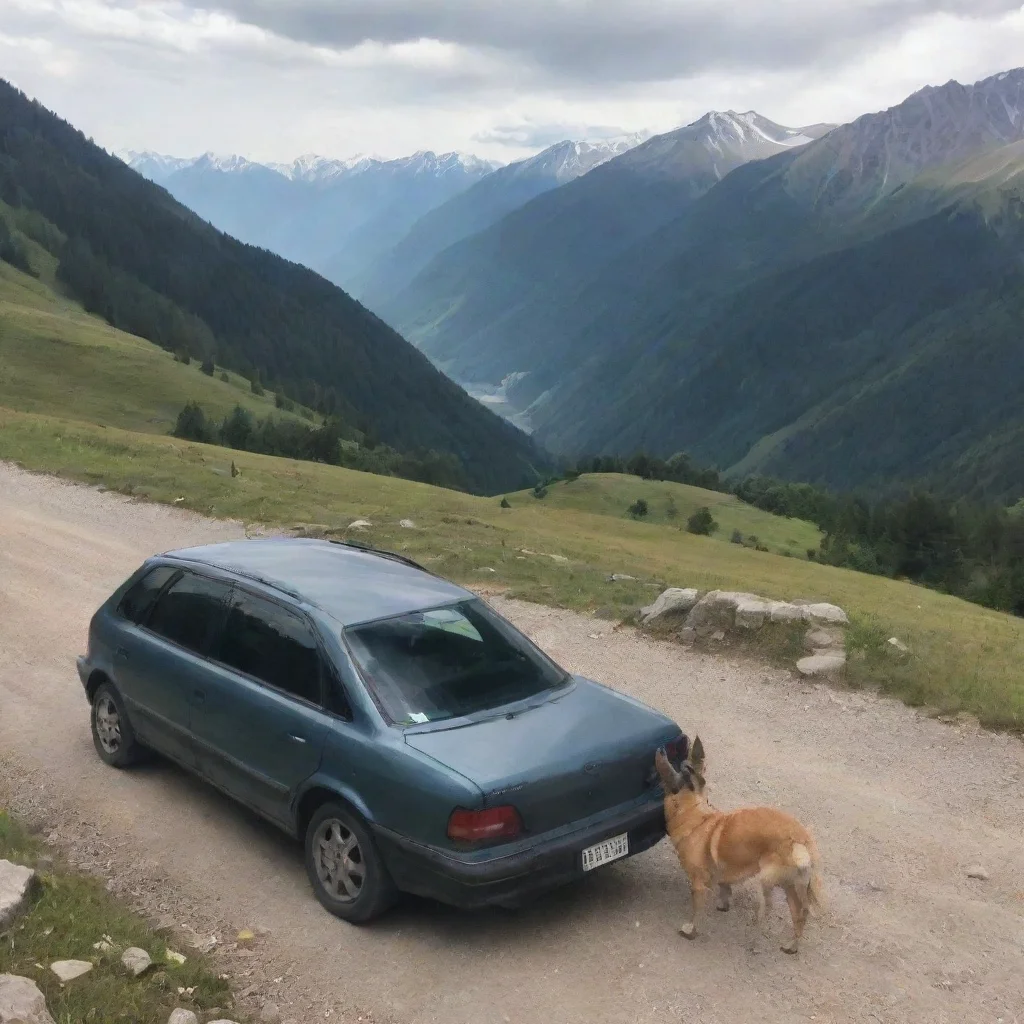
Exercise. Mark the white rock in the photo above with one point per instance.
(223, 1020)
(673, 600)
(407, 524)
(821, 664)
(174, 958)
(180, 1016)
(21, 1002)
(15, 886)
(561, 559)
(752, 612)
(360, 524)
(978, 872)
(826, 613)
(138, 961)
(897, 646)
(783, 611)
(68, 970)
(821, 639)
(619, 577)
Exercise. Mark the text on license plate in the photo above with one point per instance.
(602, 853)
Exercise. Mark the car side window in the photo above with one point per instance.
(139, 600)
(189, 612)
(272, 644)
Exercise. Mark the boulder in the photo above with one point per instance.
(136, 960)
(784, 611)
(21, 1002)
(182, 1017)
(68, 970)
(818, 640)
(821, 665)
(826, 613)
(717, 610)
(671, 602)
(751, 612)
(15, 887)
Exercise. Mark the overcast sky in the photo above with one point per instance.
(271, 79)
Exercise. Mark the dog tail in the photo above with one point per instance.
(807, 861)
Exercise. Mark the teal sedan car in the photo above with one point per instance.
(410, 736)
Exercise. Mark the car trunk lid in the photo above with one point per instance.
(584, 750)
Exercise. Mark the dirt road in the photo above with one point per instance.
(901, 805)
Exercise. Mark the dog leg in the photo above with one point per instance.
(797, 901)
(762, 901)
(698, 897)
(724, 895)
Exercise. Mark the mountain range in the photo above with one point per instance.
(840, 305)
(344, 218)
(130, 253)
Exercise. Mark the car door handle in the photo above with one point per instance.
(296, 739)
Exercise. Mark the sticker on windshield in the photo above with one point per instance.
(451, 621)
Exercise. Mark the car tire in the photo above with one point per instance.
(112, 732)
(345, 868)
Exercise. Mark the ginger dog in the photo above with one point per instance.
(718, 848)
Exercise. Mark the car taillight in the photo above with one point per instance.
(478, 826)
(677, 750)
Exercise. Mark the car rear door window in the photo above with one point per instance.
(137, 603)
(270, 643)
(189, 612)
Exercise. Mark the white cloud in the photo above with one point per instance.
(272, 79)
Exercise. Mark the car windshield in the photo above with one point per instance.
(449, 662)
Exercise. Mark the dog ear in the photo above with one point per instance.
(671, 780)
(696, 758)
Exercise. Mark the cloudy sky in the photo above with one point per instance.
(271, 79)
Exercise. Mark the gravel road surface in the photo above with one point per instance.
(902, 807)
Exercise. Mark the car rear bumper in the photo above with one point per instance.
(469, 881)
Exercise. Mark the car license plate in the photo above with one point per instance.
(602, 853)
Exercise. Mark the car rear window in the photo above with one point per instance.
(136, 604)
(449, 662)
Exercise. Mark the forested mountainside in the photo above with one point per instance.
(137, 257)
(845, 312)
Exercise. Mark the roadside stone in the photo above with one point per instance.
(669, 602)
(68, 970)
(751, 613)
(896, 646)
(136, 960)
(783, 611)
(821, 665)
(360, 524)
(687, 635)
(21, 1002)
(717, 609)
(15, 886)
(182, 1017)
(270, 1014)
(978, 872)
(222, 1020)
(407, 524)
(619, 577)
(719, 635)
(827, 613)
(818, 640)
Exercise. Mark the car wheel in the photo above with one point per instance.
(112, 732)
(346, 870)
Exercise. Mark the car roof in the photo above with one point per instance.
(351, 584)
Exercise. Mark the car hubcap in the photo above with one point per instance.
(108, 725)
(339, 861)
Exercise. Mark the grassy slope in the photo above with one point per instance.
(54, 356)
(965, 657)
(611, 494)
(71, 912)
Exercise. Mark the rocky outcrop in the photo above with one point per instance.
(717, 613)
(15, 887)
(21, 1002)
